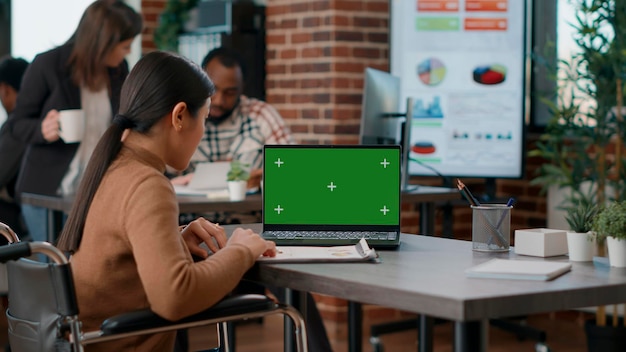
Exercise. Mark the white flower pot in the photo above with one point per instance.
(237, 190)
(580, 246)
(617, 252)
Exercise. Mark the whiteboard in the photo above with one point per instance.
(464, 64)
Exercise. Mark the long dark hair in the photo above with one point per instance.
(104, 24)
(155, 85)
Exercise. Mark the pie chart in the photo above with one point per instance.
(490, 74)
(431, 71)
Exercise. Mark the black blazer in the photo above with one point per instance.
(47, 85)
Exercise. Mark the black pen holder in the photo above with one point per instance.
(491, 227)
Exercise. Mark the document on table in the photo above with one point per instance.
(519, 269)
(360, 252)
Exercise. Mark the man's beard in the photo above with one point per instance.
(216, 120)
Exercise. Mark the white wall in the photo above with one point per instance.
(39, 25)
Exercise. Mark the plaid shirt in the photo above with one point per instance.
(241, 136)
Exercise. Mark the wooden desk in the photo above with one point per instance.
(426, 276)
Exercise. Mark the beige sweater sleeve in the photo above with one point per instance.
(176, 286)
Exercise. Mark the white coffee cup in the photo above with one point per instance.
(72, 125)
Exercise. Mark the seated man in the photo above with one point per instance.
(11, 149)
(238, 126)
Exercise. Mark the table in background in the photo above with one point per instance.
(56, 206)
(425, 275)
(425, 196)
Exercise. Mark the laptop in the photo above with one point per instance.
(331, 195)
(208, 177)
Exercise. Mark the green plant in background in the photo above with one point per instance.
(171, 23)
(611, 221)
(580, 216)
(577, 139)
(237, 172)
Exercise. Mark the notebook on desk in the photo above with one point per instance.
(208, 178)
(327, 195)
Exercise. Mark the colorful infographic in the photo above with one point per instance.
(462, 63)
(431, 71)
(490, 74)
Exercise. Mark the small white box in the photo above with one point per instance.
(541, 242)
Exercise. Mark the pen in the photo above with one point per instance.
(509, 204)
(466, 193)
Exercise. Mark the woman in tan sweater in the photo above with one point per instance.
(128, 251)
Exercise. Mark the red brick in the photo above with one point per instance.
(288, 54)
(321, 98)
(321, 36)
(273, 39)
(312, 52)
(370, 53)
(348, 36)
(310, 114)
(311, 22)
(323, 129)
(370, 22)
(348, 128)
(377, 7)
(288, 83)
(299, 128)
(299, 7)
(348, 5)
(300, 98)
(289, 114)
(297, 38)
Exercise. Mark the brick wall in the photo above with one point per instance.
(316, 53)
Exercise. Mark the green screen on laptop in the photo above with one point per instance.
(331, 185)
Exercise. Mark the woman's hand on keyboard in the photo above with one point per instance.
(201, 230)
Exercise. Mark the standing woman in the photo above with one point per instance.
(85, 73)
(128, 251)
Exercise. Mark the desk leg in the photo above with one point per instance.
(297, 299)
(289, 343)
(355, 327)
(427, 219)
(425, 337)
(470, 336)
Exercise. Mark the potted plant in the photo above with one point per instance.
(610, 223)
(580, 239)
(237, 178)
(587, 124)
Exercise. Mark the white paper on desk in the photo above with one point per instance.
(359, 252)
(519, 269)
(208, 193)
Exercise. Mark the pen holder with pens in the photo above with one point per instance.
(491, 227)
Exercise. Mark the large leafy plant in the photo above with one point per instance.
(583, 141)
(171, 23)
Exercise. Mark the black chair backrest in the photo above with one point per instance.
(33, 314)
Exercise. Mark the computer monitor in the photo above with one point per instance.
(379, 109)
(381, 120)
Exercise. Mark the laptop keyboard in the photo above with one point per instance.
(323, 235)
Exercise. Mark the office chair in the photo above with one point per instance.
(43, 311)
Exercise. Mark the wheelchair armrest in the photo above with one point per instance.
(146, 319)
(14, 251)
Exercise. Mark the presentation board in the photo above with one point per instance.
(463, 63)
